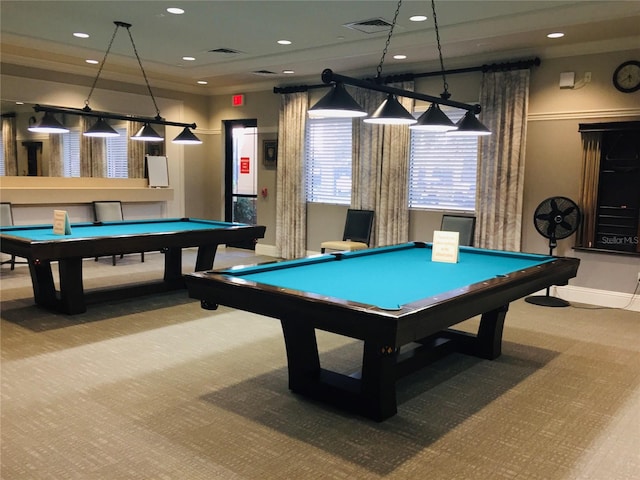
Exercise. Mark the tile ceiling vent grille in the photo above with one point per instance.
(373, 25)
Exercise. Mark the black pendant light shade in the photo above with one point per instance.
(187, 137)
(469, 125)
(101, 129)
(433, 120)
(147, 134)
(391, 112)
(48, 124)
(337, 103)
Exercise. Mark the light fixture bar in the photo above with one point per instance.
(87, 112)
(328, 77)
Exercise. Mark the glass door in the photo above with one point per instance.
(241, 175)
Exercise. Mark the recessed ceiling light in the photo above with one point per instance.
(555, 35)
(288, 71)
(189, 59)
(400, 57)
(202, 82)
(81, 35)
(175, 10)
(19, 103)
(284, 42)
(418, 18)
(91, 61)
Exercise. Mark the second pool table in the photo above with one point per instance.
(40, 246)
(395, 299)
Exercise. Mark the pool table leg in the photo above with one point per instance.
(44, 290)
(489, 340)
(372, 395)
(71, 290)
(206, 255)
(172, 264)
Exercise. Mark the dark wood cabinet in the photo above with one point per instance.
(617, 215)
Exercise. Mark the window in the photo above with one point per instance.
(328, 160)
(442, 169)
(116, 152)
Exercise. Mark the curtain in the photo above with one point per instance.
(381, 170)
(591, 152)
(504, 98)
(135, 152)
(291, 213)
(93, 161)
(56, 161)
(10, 146)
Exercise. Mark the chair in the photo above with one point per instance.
(110, 211)
(463, 224)
(6, 220)
(357, 232)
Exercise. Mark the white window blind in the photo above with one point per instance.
(442, 169)
(328, 160)
(116, 151)
(71, 153)
(117, 154)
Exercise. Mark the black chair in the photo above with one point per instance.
(463, 224)
(6, 220)
(357, 232)
(110, 211)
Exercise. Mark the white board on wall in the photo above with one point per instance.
(157, 171)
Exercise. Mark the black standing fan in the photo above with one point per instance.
(555, 218)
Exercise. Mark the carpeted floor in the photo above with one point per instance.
(157, 388)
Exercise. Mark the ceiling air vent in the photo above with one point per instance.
(373, 25)
(225, 51)
(264, 73)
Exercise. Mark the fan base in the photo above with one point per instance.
(547, 301)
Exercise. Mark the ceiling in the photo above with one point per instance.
(38, 35)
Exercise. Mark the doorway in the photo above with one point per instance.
(241, 173)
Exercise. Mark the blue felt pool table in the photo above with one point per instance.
(392, 298)
(40, 246)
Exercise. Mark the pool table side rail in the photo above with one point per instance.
(108, 245)
(345, 317)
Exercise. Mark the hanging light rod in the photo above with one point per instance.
(328, 77)
(101, 128)
(88, 112)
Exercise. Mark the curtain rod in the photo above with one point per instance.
(493, 67)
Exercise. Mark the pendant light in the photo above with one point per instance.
(48, 124)
(469, 125)
(337, 103)
(147, 134)
(390, 112)
(433, 120)
(187, 137)
(101, 129)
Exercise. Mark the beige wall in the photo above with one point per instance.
(553, 151)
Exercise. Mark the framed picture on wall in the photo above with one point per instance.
(269, 153)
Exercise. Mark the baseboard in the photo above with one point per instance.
(601, 298)
(268, 250)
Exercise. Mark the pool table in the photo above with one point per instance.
(394, 299)
(40, 246)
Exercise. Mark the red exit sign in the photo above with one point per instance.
(237, 100)
(244, 164)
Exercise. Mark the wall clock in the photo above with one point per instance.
(626, 77)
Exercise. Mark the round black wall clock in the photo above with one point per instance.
(626, 77)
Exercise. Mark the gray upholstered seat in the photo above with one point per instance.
(357, 232)
(6, 220)
(463, 224)
(110, 211)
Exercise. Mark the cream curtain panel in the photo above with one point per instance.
(93, 161)
(591, 152)
(291, 207)
(381, 170)
(56, 162)
(9, 145)
(504, 98)
(135, 152)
